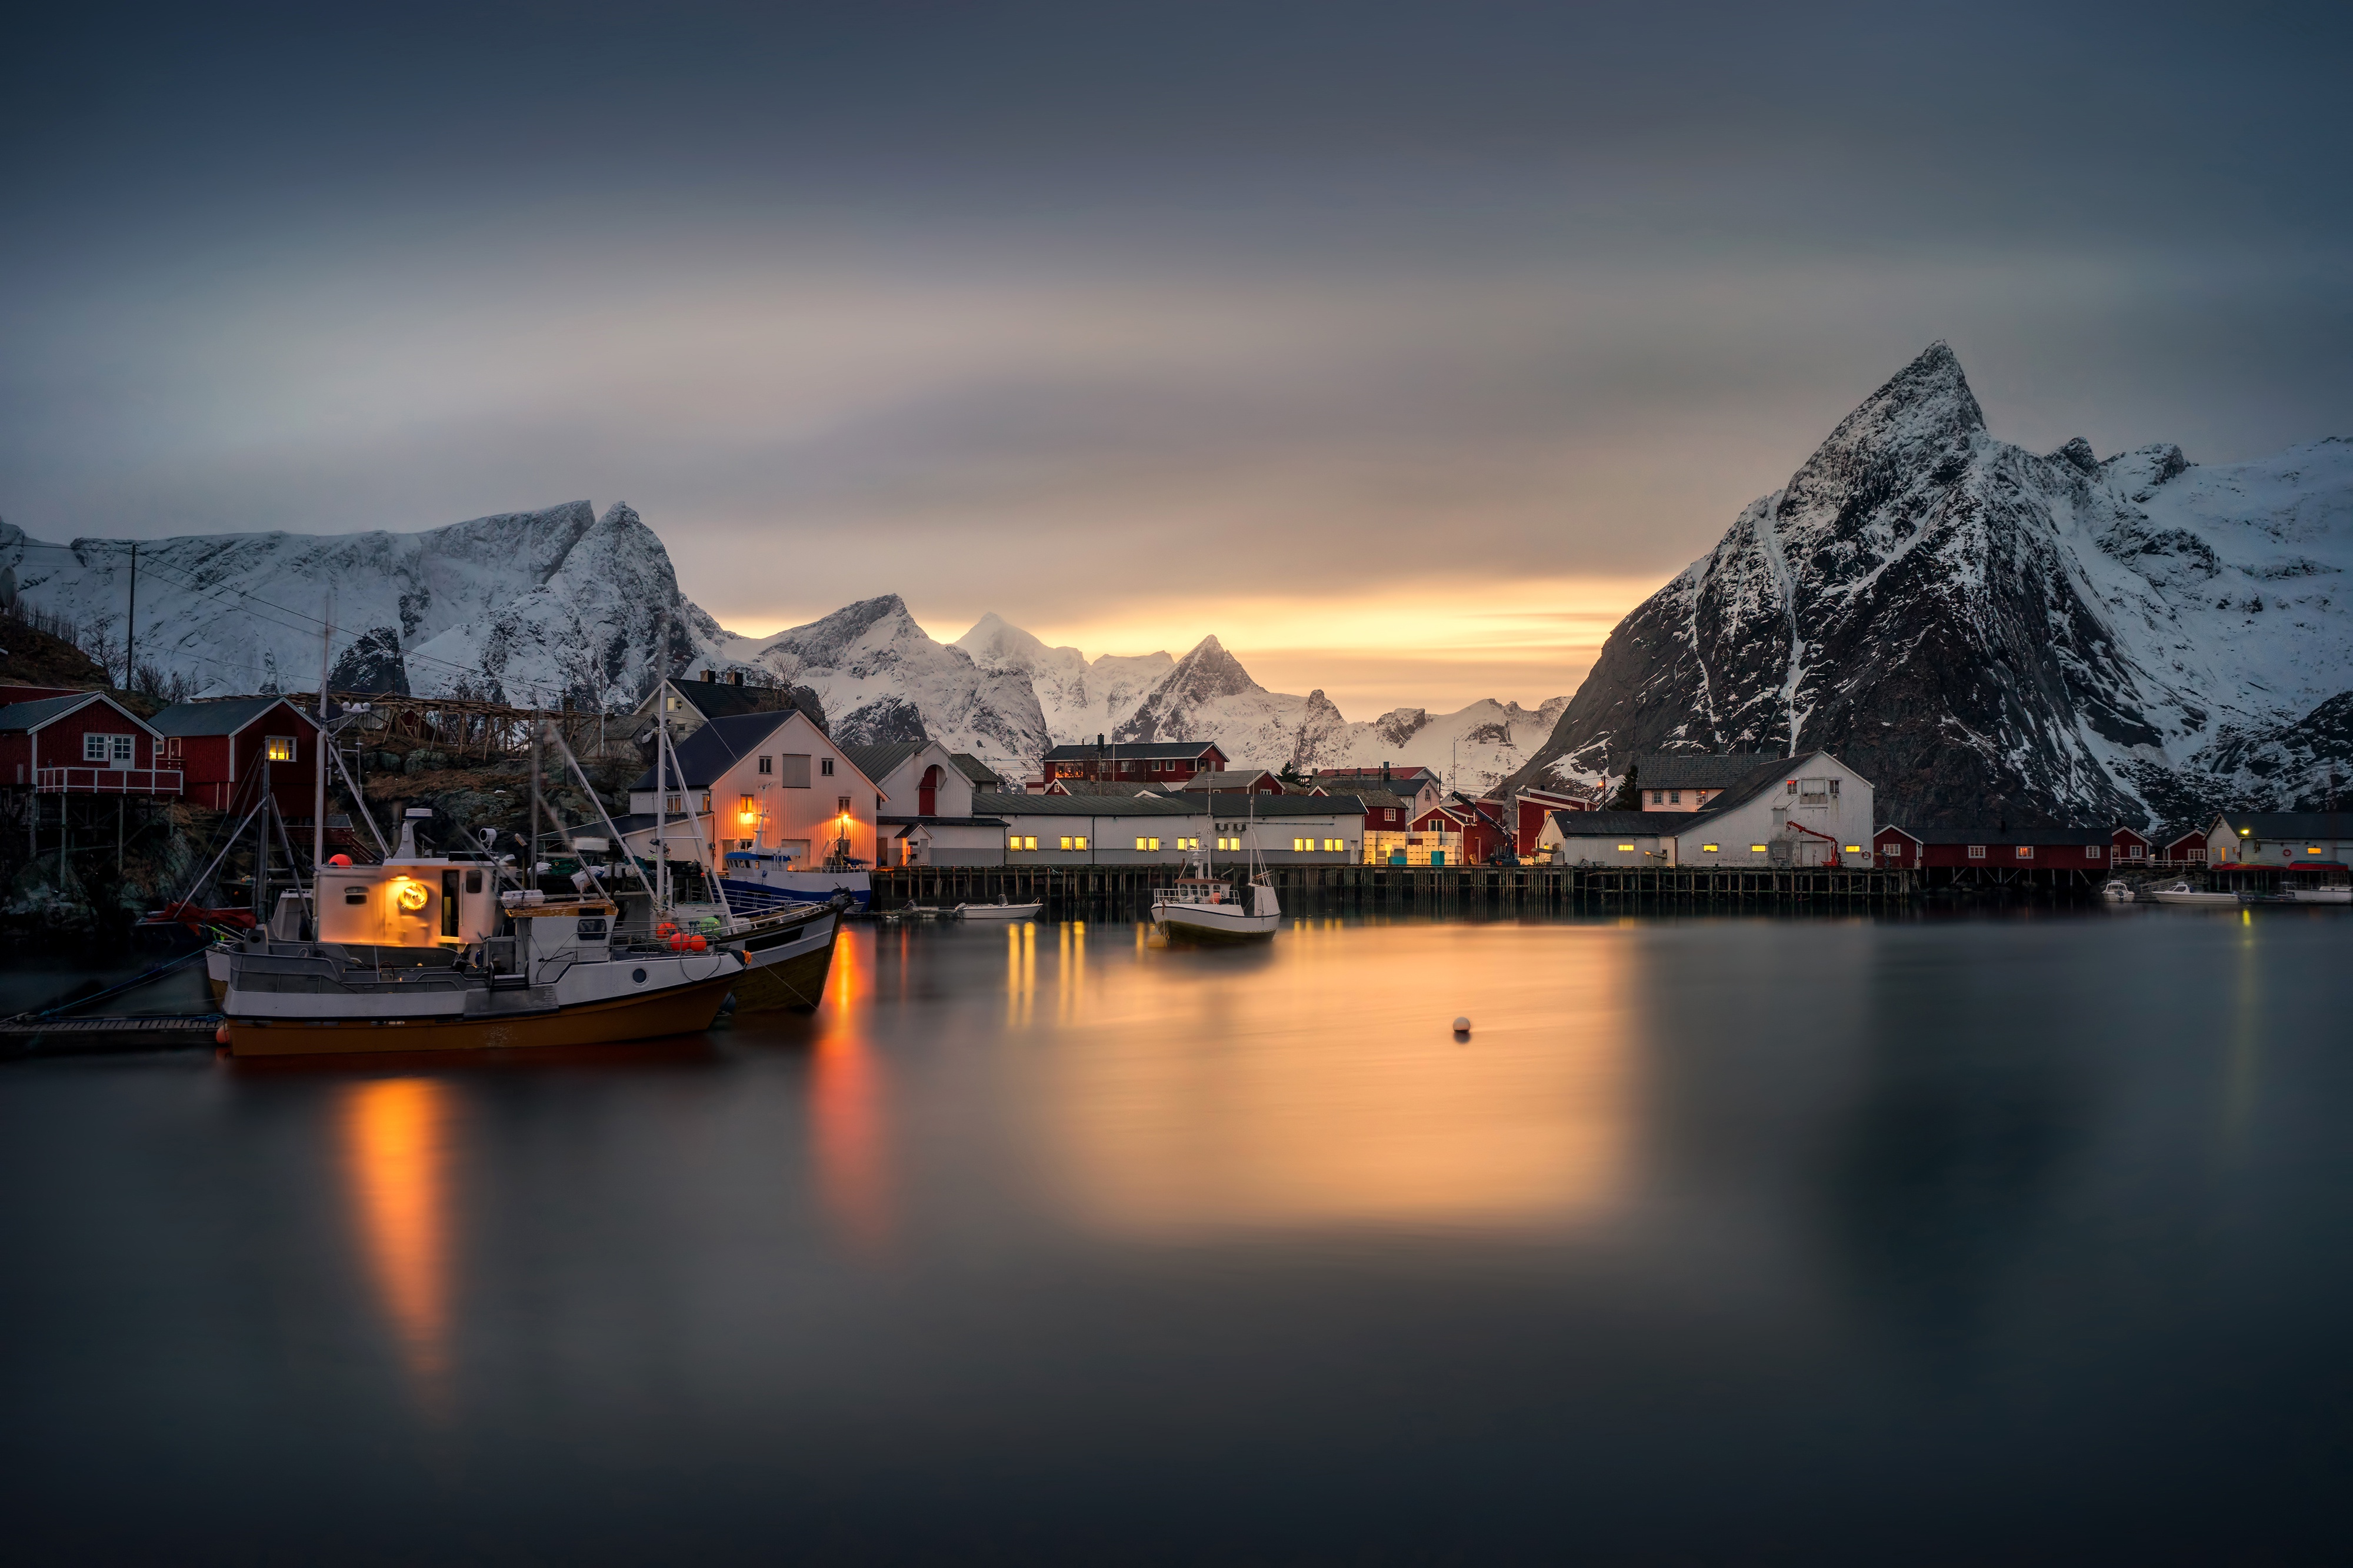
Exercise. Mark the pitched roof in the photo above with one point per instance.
(875, 762)
(1375, 799)
(1267, 806)
(1228, 779)
(1399, 774)
(224, 716)
(2291, 824)
(978, 771)
(1991, 833)
(699, 760)
(991, 803)
(48, 710)
(1627, 824)
(725, 699)
(1124, 750)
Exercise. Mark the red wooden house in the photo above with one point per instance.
(2185, 848)
(1484, 834)
(2129, 847)
(230, 748)
(1997, 853)
(1894, 849)
(80, 742)
(1168, 762)
(1531, 806)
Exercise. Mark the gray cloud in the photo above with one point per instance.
(1041, 309)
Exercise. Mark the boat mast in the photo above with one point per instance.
(318, 790)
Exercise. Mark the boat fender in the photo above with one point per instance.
(1461, 1028)
(220, 1035)
(697, 942)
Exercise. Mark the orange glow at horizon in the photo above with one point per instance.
(850, 1138)
(1187, 1110)
(396, 1147)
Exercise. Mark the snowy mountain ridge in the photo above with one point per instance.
(1989, 633)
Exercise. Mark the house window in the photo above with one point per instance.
(1017, 841)
(743, 843)
(278, 748)
(1625, 848)
(674, 805)
(1334, 846)
(105, 748)
(674, 704)
(1977, 851)
(841, 806)
(171, 748)
(1674, 797)
(706, 803)
(1189, 843)
(2091, 852)
(1299, 845)
(1147, 844)
(2314, 850)
(767, 765)
(1657, 796)
(1757, 849)
(747, 809)
(1709, 848)
(2026, 851)
(824, 767)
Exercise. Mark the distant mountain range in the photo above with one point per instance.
(538, 608)
(1984, 631)
(1988, 633)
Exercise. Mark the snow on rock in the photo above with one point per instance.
(525, 607)
(1986, 633)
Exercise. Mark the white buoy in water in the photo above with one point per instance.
(1461, 1026)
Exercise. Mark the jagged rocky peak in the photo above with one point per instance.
(1209, 671)
(1923, 420)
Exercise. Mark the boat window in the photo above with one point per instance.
(473, 881)
(355, 894)
(590, 929)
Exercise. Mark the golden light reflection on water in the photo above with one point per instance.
(1316, 1083)
(397, 1153)
(849, 1132)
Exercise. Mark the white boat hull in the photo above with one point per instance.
(1226, 923)
(997, 911)
(2321, 895)
(2194, 897)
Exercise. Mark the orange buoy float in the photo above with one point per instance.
(339, 859)
(697, 943)
(220, 1035)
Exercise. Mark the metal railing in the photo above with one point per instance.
(106, 780)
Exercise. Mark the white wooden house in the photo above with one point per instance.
(1145, 827)
(926, 818)
(1808, 810)
(765, 781)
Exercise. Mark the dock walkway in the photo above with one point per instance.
(1125, 891)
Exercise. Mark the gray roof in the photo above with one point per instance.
(990, 804)
(1698, 769)
(1227, 779)
(875, 762)
(1627, 823)
(1993, 833)
(1241, 808)
(2292, 824)
(1375, 799)
(32, 715)
(698, 761)
(940, 822)
(1124, 750)
(978, 771)
(225, 716)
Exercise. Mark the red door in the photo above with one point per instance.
(927, 794)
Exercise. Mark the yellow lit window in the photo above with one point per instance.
(1710, 848)
(747, 809)
(1854, 849)
(1016, 841)
(1066, 842)
(1757, 849)
(281, 748)
(1625, 847)
(1333, 846)
(2314, 850)
(1080, 842)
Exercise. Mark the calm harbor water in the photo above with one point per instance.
(2016, 1239)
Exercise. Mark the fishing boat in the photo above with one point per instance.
(1000, 910)
(1200, 907)
(2118, 892)
(2184, 893)
(773, 879)
(431, 953)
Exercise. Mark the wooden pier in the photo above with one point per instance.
(1125, 891)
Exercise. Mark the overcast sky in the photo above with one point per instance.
(1402, 347)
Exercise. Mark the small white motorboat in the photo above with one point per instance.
(1000, 910)
(2118, 892)
(1210, 908)
(2184, 893)
(2321, 895)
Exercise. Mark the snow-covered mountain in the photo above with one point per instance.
(1081, 698)
(1989, 633)
(525, 607)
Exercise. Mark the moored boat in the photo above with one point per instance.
(2184, 893)
(2118, 892)
(2335, 895)
(1000, 911)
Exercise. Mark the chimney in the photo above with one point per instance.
(710, 676)
(737, 678)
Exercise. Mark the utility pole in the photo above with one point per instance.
(319, 794)
(131, 623)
